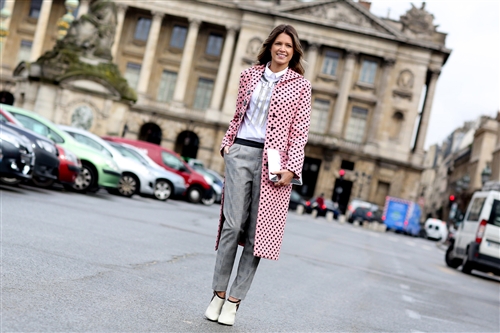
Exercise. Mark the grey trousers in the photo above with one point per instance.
(241, 204)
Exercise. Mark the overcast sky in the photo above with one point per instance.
(469, 84)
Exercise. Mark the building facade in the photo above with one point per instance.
(373, 81)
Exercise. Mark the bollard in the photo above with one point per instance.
(366, 224)
(314, 213)
(341, 218)
(356, 223)
(300, 210)
(329, 216)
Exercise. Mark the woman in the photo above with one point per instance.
(272, 112)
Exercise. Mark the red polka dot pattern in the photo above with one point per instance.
(287, 130)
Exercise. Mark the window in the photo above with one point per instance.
(356, 125)
(83, 139)
(319, 115)
(203, 94)
(2, 4)
(142, 28)
(368, 71)
(24, 53)
(330, 63)
(178, 37)
(475, 209)
(347, 165)
(172, 161)
(132, 74)
(35, 8)
(38, 127)
(495, 214)
(167, 86)
(214, 45)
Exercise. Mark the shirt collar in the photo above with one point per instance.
(273, 76)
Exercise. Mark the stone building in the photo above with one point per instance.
(373, 79)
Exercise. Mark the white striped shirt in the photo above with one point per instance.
(254, 123)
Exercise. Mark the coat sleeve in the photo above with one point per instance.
(299, 130)
(236, 121)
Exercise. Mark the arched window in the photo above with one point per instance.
(187, 144)
(150, 132)
(6, 98)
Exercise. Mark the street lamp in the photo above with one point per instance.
(485, 174)
(65, 22)
(4, 29)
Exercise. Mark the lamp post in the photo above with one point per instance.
(65, 22)
(4, 29)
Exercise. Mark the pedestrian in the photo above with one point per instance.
(272, 112)
(320, 201)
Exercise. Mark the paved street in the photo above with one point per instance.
(103, 263)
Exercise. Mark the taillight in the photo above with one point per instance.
(383, 218)
(480, 231)
(308, 203)
(323, 207)
(350, 208)
(369, 214)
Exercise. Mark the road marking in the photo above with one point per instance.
(404, 286)
(408, 299)
(413, 314)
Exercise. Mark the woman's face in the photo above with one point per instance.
(281, 51)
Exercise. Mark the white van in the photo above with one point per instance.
(476, 244)
(435, 229)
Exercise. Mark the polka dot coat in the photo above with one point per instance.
(287, 130)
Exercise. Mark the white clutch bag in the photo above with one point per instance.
(274, 163)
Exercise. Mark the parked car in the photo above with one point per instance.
(361, 214)
(69, 167)
(17, 159)
(136, 177)
(46, 160)
(69, 164)
(435, 229)
(316, 210)
(218, 180)
(198, 187)
(167, 183)
(297, 203)
(98, 170)
(476, 243)
(355, 203)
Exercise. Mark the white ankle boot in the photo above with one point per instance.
(228, 313)
(214, 308)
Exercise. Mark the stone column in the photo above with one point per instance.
(9, 5)
(149, 54)
(341, 104)
(312, 57)
(41, 30)
(225, 62)
(120, 17)
(187, 60)
(426, 112)
(83, 8)
(381, 94)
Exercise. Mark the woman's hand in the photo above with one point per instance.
(226, 150)
(286, 177)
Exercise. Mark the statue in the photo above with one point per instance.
(93, 33)
(418, 21)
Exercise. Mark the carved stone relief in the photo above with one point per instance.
(406, 79)
(82, 117)
(253, 47)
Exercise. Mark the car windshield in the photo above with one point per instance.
(172, 161)
(130, 153)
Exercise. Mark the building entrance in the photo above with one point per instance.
(6, 98)
(187, 144)
(310, 173)
(150, 132)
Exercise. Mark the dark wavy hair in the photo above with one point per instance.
(295, 64)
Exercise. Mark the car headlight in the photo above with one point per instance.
(208, 180)
(112, 164)
(47, 146)
(12, 139)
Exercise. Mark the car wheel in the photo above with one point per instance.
(210, 201)
(85, 179)
(163, 190)
(467, 265)
(10, 181)
(128, 185)
(194, 195)
(43, 182)
(450, 261)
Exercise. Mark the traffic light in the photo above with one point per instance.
(341, 173)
